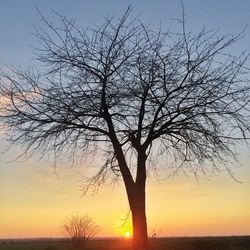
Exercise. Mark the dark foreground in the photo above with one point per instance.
(184, 243)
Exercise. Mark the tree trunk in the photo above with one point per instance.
(136, 196)
(138, 206)
(140, 235)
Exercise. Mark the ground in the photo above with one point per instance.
(185, 243)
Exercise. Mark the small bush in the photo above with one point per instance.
(80, 229)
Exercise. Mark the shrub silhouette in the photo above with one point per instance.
(80, 229)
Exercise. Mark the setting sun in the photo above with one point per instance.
(127, 235)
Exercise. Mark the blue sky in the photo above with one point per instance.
(30, 190)
(17, 18)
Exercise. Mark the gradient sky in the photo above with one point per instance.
(34, 201)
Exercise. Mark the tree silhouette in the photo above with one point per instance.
(134, 93)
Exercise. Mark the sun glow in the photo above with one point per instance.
(127, 234)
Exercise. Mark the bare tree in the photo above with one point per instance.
(131, 93)
(81, 229)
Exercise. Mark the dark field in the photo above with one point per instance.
(185, 243)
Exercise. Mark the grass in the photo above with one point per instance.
(203, 243)
(185, 243)
(103, 244)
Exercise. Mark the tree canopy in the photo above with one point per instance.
(125, 80)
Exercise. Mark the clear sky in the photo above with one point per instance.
(35, 202)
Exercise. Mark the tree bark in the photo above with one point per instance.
(138, 206)
(140, 235)
(135, 193)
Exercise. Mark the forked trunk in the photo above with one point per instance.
(138, 206)
(136, 197)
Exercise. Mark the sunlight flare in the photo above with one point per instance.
(127, 235)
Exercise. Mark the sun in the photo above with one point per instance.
(127, 234)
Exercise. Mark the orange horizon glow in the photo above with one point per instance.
(35, 203)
